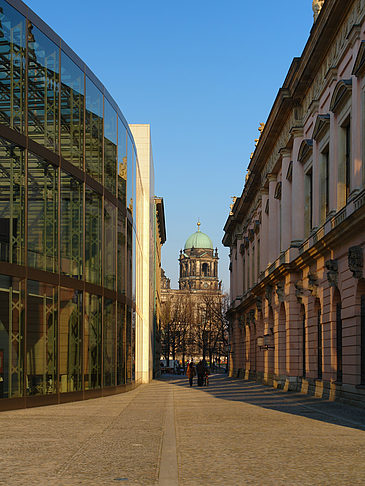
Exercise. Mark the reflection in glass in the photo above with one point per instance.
(42, 214)
(11, 337)
(109, 244)
(122, 163)
(43, 89)
(94, 131)
(122, 240)
(12, 202)
(93, 339)
(110, 147)
(128, 345)
(70, 340)
(12, 67)
(121, 346)
(109, 342)
(71, 225)
(93, 236)
(72, 111)
(41, 339)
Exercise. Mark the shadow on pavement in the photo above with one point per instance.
(225, 388)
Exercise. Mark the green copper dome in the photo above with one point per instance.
(198, 240)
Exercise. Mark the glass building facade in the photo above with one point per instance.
(67, 232)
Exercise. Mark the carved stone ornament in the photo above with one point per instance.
(317, 7)
(259, 304)
(356, 261)
(299, 291)
(312, 283)
(332, 272)
(268, 293)
(280, 291)
(251, 316)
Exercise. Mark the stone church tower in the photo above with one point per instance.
(198, 263)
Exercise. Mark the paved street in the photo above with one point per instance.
(165, 433)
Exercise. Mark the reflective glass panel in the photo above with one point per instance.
(110, 147)
(122, 243)
(109, 342)
(110, 226)
(93, 236)
(11, 337)
(72, 111)
(122, 163)
(93, 339)
(12, 202)
(128, 345)
(71, 225)
(42, 214)
(70, 340)
(121, 347)
(94, 131)
(12, 67)
(43, 89)
(41, 338)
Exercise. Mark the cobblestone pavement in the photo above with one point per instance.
(230, 433)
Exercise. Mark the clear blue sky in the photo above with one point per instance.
(204, 74)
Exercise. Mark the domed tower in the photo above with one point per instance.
(198, 263)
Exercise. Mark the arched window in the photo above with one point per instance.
(319, 339)
(205, 269)
(337, 309)
(304, 341)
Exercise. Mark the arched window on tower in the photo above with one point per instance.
(205, 270)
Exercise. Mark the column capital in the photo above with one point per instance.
(271, 177)
(297, 132)
(285, 152)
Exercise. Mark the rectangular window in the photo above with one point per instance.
(43, 89)
(12, 202)
(308, 203)
(71, 225)
(109, 328)
(122, 163)
(12, 67)
(42, 338)
(42, 214)
(347, 129)
(93, 236)
(121, 328)
(70, 340)
(94, 131)
(93, 340)
(109, 245)
(72, 111)
(110, 148)
(244, 273)
(324, 184)
(253, 279)
(319, 344)
(12, 308)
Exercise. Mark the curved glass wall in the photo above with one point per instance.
(67, 211)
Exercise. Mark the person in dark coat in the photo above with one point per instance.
(200, 369)
(190, 371)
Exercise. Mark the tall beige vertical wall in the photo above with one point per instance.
(144, 264)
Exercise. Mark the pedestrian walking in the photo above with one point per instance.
(206, 377)
(200, 369)
(191, 372)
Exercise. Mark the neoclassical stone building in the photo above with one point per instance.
(297, 232)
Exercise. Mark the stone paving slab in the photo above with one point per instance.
(230, 433)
